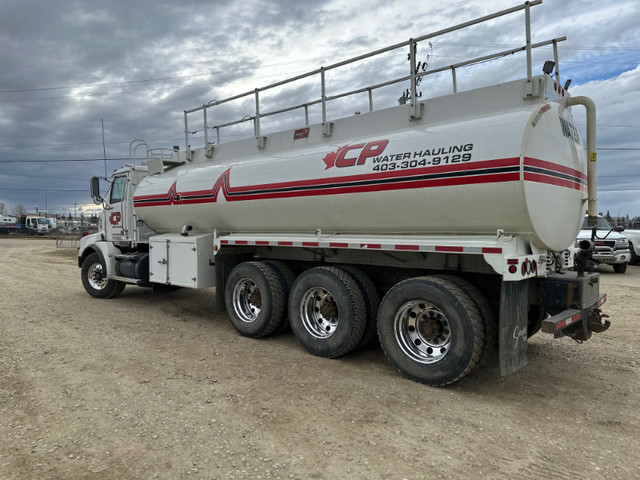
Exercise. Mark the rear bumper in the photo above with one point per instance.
(573, 300)
(579, 324)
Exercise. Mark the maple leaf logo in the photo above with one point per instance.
(330, 159)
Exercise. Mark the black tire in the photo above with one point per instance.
(431, 330)
(93, 281)
(634, 256)
(371, 301)
(619, 267)
(489, 320)
(327, 312)
(286, 277)
(254, 299)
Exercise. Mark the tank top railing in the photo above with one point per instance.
(413, 77)
(161, 153)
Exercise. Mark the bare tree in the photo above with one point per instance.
(19, 210)
(3, 208)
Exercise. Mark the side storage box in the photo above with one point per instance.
(182, 261)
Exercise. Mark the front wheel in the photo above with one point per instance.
(620, 267)
(634, 256)
(95, 281)
(431, 330)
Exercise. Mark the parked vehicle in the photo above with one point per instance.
(446, 207)
(32, 225)
(8, 224)
(610, 246)
(632, 233)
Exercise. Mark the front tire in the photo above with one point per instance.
(94, 279)
(634, 256)
(431, 330)
(620, 267)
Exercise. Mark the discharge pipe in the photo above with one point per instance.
(592, 179)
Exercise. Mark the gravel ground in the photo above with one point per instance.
(161, 387)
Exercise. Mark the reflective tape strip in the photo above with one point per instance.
(367, 246)
(568, 321)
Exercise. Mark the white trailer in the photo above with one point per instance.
(8, 224)
(456, 210)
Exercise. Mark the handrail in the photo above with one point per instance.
(158, 152)
(413, 77)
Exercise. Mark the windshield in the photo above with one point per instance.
(603, 224)
(43, 221)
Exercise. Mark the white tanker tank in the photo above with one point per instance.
(475, 162)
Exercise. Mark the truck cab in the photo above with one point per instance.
(34, 225)
(118, 222)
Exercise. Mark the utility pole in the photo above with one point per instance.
(104, 149)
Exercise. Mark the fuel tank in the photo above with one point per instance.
(475, 162)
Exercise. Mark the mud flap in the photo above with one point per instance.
(514, 310)
(223, 264)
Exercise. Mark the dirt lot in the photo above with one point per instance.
(160, 387)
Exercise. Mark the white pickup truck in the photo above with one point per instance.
(610, 246)
(633, 235)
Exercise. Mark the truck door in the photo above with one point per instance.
(117, 228)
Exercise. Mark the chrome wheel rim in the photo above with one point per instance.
(247, 301)
(95, 277)
(319, 312)
(422, 331)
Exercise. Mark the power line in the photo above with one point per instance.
(68, 160)
(612, 149)
(210, 74)
(180, 77)
(41, 176)
(298, 61)
(46, 189)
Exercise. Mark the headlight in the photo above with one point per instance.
(622, 243)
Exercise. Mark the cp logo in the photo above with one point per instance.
(114, 219)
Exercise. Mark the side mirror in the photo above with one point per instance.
(618, 229)
(95, 190)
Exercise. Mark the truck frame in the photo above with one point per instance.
(449, 301)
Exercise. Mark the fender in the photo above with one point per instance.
(107, 252)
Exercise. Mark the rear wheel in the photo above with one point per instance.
(489, 320)
(286, 277)
(255, 300)
(327, 312)
(371, 301)
(431, 330)
(94, 279)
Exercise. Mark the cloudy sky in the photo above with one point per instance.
(66, 67)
